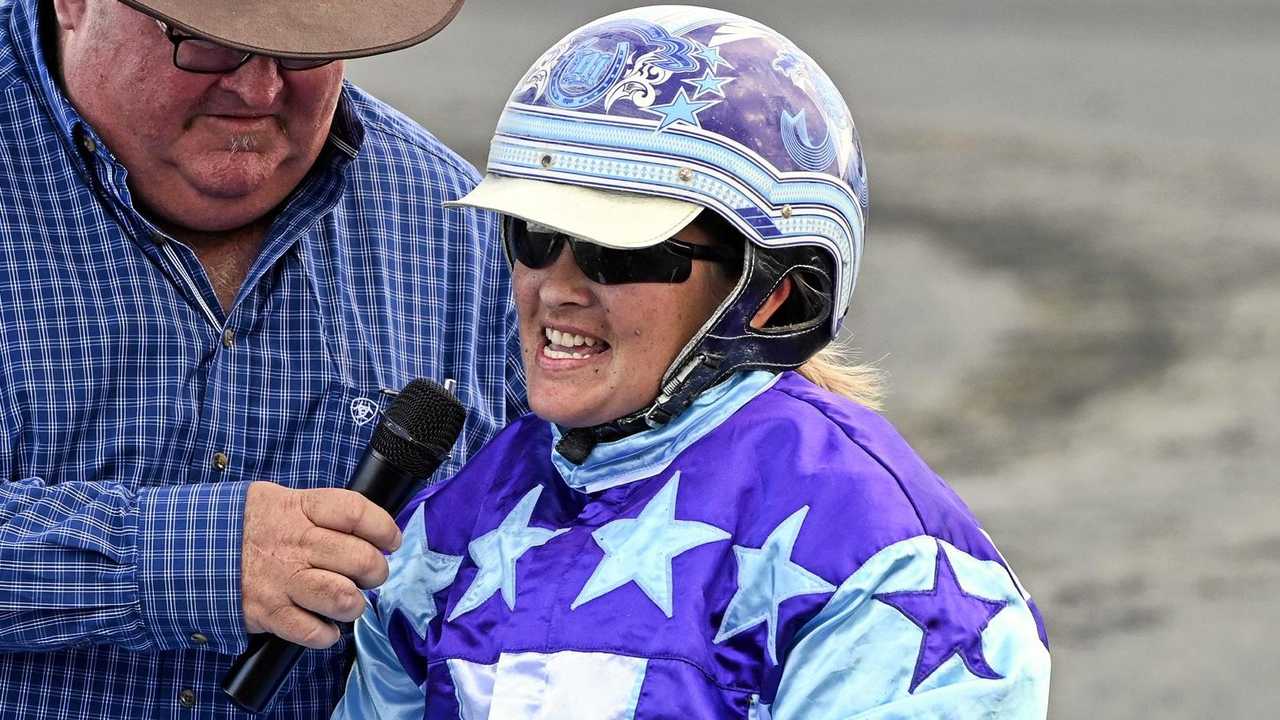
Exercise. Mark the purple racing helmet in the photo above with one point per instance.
(631, 126)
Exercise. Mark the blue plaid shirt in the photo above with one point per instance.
(134, 412)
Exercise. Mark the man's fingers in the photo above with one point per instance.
(346, 555)
(301, 628)
(327, 594)
(349, 512)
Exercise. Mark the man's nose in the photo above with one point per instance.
(257, 82)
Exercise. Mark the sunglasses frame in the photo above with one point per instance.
(594, 260)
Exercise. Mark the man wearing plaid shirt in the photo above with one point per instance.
(217, 262)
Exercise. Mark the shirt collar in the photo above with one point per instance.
(650, 452)
(29, 22)
(346, 133)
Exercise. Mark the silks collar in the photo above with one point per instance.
(648, 453)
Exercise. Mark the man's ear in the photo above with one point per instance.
(70, 13)
(771, 304)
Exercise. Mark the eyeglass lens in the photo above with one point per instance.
(200, 55)
(196, 54)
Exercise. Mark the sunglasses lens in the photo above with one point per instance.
(534, 250)
(608, 266)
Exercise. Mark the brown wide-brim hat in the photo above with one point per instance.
(307, 28)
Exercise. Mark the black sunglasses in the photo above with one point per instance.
(670, 261)
(200, 55)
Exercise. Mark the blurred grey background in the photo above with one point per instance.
(1073, 277)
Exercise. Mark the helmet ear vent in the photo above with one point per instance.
(809, 303)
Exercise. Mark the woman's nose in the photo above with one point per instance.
(563, 282)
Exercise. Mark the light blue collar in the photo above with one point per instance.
(648, 453)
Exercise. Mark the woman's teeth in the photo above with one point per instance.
(561, 344)
(564, 339)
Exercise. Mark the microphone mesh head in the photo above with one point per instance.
(423, 422)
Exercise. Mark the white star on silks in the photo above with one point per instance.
(767, 577)
(682, 109)
(641, 549)
(496, 552)
(417, 574)
(712, 56)
(709, 84)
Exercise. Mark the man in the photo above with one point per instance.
(218, 261)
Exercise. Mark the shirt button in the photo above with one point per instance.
(221, 461)
(199, 638)
(187, 697)
(88, 144)
(228, 338)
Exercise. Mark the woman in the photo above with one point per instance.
(685, 527)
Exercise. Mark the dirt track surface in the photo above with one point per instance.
(1073, 275)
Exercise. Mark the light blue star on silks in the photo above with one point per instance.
(709, 84)
(495, 554)
(417, 574)
(640, 550)
(767, 577)
(682, 109)
(712, 56)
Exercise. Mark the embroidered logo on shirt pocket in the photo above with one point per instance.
(363, 410)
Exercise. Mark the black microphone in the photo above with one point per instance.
(414, 437)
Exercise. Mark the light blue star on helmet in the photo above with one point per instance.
(766, 578)
(709, 84)
(417, 574)
(495, 554)
(681, 109)
(641, 549)
(712, 56)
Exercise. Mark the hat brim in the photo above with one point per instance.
(610, 218)
(332, 29)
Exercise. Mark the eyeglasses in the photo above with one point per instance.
(200, 55)
(670, 261)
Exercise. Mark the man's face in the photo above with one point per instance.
(205, 152)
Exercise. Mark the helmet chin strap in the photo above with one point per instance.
(577, 443)
(724, 345)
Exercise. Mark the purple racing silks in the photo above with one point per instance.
(780, 552)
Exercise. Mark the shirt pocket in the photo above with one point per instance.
(338, 435)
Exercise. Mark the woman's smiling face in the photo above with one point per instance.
(593, 352)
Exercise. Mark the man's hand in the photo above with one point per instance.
(305, 553)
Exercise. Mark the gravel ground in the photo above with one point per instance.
(1073, 276)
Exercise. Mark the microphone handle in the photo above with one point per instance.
(384, 482)
(260, 671)
(255, 677)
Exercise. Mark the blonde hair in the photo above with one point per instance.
(836, 370)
